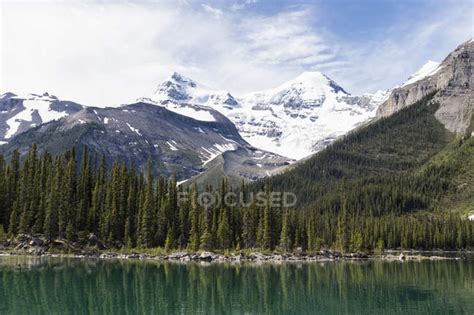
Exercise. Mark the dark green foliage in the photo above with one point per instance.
(380, 187)
(58, 199)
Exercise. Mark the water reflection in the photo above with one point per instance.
(59, 286)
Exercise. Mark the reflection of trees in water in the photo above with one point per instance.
(117, 287)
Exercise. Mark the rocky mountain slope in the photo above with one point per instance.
(176, 143)
(294, 119)
(453, 81)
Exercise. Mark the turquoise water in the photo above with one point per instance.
(92, 286)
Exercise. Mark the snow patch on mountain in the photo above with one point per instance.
(33, 103)
(428, 69)
(194, 112)
(172, 147)
(378, 97)
(211, 153)
(189, 110)
(137, 131)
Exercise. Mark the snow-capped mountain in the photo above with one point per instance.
(428, 69)
(294, 119)
(20, 113)
(180, 89)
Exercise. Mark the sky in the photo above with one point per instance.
(105, 53)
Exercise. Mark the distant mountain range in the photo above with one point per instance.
(201, 133)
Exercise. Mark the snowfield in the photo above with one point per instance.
(294, 119)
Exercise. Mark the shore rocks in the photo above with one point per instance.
(90, 246)
(30, 244)
(207, 256)
(93, 241)
(258, 257)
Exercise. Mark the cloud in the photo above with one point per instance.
(242, 5)
(217, 13)
(104, 54)
(101, 53)
(285, 38)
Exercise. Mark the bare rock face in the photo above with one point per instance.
(453, 81)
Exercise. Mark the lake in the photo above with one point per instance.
(94, 286)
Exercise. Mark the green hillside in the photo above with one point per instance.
(458, 158)
(400, 164)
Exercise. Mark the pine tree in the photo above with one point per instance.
(54, 203)
(194, 215)
(223, 231)
(267, 237)
(67, 215)
(249, 226)
(147, 221)
(285, 240)
(207, 240)
(341, 242)
(356, 242)
(169, 243)
(84, 191)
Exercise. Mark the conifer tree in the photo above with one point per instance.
(147, 221)
(223, 231)
(194, 215)
(285, 241)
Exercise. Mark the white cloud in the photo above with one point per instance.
(217, 13)
(100, 53)
(285, 38)
(242, 5)
(105, 54)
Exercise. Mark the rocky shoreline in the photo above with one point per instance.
(28, 245)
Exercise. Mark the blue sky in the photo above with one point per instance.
(111, 52)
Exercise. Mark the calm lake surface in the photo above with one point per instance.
(93, 286)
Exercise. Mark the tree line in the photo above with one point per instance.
(73, 195)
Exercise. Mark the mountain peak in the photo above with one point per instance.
(314, 80)
(311, 75)
(175, 87)
(177, 77)
(183, 90)
(429, 68)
